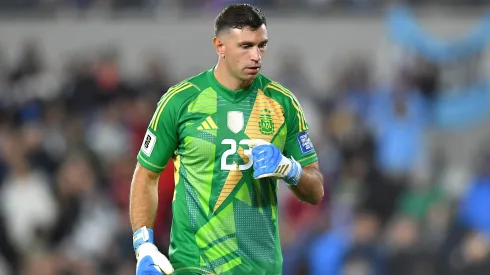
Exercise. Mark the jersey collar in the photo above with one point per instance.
(233, 96)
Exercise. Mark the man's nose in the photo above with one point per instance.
(256, 55)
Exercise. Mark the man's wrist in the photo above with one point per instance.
(141, 236)
(294, 175)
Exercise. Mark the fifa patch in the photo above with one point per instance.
(304, 142)
(148, 143)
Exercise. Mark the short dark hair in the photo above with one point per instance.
(239, 16)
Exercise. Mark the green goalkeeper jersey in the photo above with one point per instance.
(224, 220)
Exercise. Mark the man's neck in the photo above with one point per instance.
(225, 79)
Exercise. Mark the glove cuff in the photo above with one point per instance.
(145, 249)
(294, 174)
(141, 236)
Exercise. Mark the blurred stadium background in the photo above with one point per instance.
(397, 98)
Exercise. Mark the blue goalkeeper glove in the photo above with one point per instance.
(149, 260)
(268, 161)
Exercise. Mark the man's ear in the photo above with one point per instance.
(219, 46)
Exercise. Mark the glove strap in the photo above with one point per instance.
(141, 236)
(295, 173)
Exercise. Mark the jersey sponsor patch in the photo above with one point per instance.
(304, 142)
(148, 143)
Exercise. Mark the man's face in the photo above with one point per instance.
(243, 50)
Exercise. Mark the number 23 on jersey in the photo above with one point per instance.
(233, 150)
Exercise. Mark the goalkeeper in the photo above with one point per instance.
(232, 133)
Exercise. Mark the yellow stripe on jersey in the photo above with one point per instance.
(211, 123)
(283, 92)
(205, 125)
(171, 93)
(276, 86)
(195, 86)
(295, 104)
(176, 174)
(163, 99)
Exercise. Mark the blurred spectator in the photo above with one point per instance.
(88, 220)
(426, 77)
(346, 250)
(405, 254)
(474, 205)
(43, 264)
(399, 120)
(9, 255)
(292, 75)
(37, 155)
(353, 87)
(155, 81)
(54, 141)
(26, 201)
(30, 61)
(107, 136)
(80, 88)
(107, 76)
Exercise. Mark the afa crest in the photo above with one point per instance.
(266, 125)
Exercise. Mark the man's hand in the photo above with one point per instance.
(268, 161)
(149, 260)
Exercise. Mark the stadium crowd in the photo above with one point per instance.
(68, 143)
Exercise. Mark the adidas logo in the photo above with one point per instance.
(281, 169)
(207, 124)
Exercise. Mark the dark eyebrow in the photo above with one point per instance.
(248, 43)
(264, 42)
(245, 43)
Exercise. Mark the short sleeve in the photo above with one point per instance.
(160, 141)
(298, 144)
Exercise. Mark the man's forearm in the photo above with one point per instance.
(143, 199)
(310, 186)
